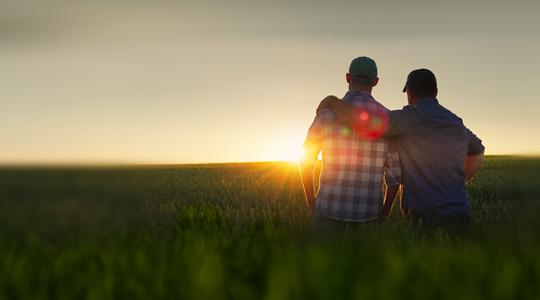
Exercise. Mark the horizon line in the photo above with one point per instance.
(4, 165)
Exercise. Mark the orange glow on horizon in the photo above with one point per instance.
(287, 148)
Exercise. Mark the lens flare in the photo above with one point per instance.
(364, 116)
(345, 131)
(372, 123)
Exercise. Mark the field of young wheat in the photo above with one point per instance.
(242, 231)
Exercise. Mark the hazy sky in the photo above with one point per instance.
(201, 81)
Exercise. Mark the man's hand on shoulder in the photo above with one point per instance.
(327, 102)
(345, 112)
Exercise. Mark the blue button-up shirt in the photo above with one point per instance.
(432, 143)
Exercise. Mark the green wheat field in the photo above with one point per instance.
(242, 231)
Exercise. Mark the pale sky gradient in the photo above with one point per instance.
(201, 81)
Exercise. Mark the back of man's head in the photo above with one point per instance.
(421, 83)
(362, 73)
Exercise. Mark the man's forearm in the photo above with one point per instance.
(306, 174)
(473, 163)
(389, 199)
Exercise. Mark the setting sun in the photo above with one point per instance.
(288, 150)
(290, 153)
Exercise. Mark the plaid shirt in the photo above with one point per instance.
(354, 166)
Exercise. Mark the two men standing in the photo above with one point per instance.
(424, 147)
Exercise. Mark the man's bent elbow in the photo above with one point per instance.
(473, 163)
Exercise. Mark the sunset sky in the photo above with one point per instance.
(202, 81)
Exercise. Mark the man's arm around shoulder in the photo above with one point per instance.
(345, 112)
(348, 115)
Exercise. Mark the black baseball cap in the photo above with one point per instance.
(421, 81)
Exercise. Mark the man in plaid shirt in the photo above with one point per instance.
(356, 164)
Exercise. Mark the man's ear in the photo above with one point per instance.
(410, 97)
(348, 78)
(375, 81)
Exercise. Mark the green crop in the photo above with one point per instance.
(242, 231)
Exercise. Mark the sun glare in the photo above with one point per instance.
(291, 154)
(288, 150)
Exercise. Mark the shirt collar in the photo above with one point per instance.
(427, 101)
(358, 93)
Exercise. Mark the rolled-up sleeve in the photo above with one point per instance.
(474, 146)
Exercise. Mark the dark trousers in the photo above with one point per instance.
(454, 225)
(325, 227)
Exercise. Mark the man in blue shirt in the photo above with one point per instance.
(438, 153)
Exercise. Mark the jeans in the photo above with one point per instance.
(455, 225)
(330, 228)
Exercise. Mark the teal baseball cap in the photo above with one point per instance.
(363, 68)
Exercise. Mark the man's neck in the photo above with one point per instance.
(365, 90)
(416, 101)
